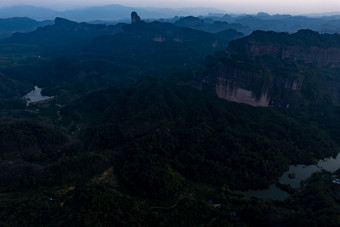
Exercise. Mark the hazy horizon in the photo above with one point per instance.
(230, 6)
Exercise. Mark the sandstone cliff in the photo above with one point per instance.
(276, 69)
(249, 86)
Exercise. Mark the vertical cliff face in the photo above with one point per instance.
(248, 86)
(230, 91)
(236, 84)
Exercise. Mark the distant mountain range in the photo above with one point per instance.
(288, 23)
(119, 12)
(205, 19)
(122, 38)
(19, 24)
(108, 12)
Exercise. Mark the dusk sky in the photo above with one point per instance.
(230, 6)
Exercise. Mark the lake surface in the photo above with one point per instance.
(330, 164)
(35, 95)
(272, 192)
(302, 172)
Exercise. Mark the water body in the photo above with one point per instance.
(272, 192)
(35, 96)
(302, 172)
(330, 164)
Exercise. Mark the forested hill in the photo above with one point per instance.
(209, 26)
(77, 36)
(200, 137)
(9, 26)
(60, 33)
(304, 38)
(156, 146)
(305, 45)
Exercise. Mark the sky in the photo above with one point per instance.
(229, 6)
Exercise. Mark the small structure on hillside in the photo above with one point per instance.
(336, 181)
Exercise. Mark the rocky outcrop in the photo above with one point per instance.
(134, 17)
